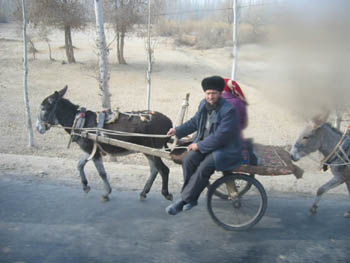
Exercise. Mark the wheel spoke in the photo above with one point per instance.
(243, 207)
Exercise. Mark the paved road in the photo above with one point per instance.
(47, 222)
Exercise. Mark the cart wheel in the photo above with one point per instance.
(243, 208)
(222, 193)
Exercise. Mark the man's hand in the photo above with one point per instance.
(171, 132)
(192, 147)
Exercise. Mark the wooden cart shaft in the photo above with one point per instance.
(127, 145)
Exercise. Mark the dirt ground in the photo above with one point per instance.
(177, 71)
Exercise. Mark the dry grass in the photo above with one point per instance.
(206, 34)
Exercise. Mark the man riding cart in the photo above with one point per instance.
(216, 147)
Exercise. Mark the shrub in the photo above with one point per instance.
(166, 28)
(213, 35)
(205, 34)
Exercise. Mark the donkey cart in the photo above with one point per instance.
(236, 200)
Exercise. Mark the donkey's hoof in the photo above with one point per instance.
(86, 189)
(142, 197)
(104, 198)
(312, 211)
(347, 214)
(169, 197)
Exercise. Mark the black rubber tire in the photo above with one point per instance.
(241, 202)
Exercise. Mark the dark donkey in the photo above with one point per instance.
(319, 135)
(56, 110)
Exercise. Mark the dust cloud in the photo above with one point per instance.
(306, 54)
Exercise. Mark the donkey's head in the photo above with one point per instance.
(310, 139)
(47, 111)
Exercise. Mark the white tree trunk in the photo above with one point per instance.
(234, 63)
(25, 78)
(149, 53)
(102, 56)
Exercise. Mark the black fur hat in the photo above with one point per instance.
(214, 82)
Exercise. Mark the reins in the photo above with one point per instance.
(110, 132)
(118, 133)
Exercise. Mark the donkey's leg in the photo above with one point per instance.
(164, 172)
(334, 182)
(151, 178)
(102, 172)
(347, 214)
(81, 165)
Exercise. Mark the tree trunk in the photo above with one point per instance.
(25, 78)
(149, 51)
(69, 44)
(50, 52)
(235, 41)
(102, 56)
(33, 49)
(122, 37)
(118, 47)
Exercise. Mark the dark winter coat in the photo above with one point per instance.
(224, 134)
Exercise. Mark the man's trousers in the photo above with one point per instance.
(197, 169)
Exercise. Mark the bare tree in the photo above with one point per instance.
(25, 77)
(124, 15)
(102, 56)
(30, 41)
(65, 15)
(43, 33)
(256, 18)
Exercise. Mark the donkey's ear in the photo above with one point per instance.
(319, 119)
(314, 125)
(63, 91)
